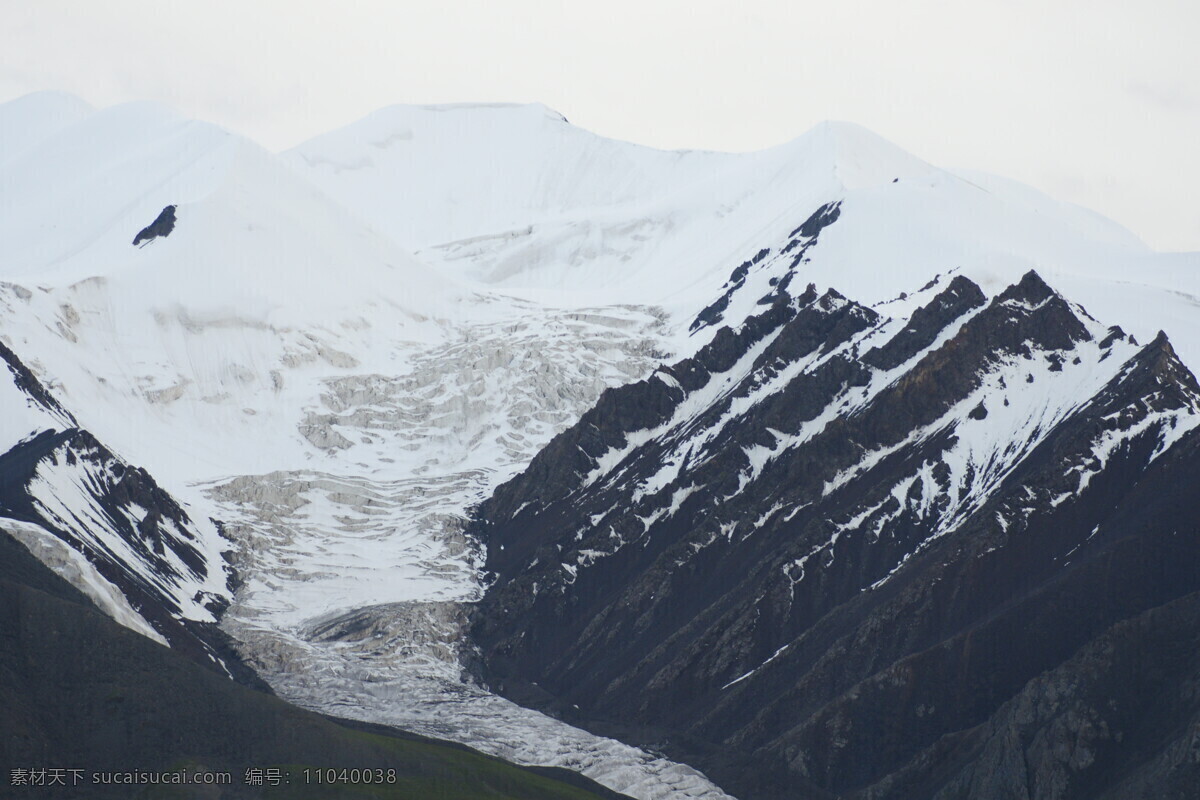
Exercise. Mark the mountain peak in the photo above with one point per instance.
(47, 101)
(858, 156)
(1030, 289)
(32, 118)
(481, 113)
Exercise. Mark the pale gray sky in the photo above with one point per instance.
(1094, 102)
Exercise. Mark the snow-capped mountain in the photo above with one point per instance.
(217, 328)
(514, 197)
(339, 351)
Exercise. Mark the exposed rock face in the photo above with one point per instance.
(163, 224)
(25, 382)
(831, 554)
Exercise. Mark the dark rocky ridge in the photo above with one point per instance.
(800, 241)
(26, 382)
(774, 561)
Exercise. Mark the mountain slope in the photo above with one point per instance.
(828, 515)
(219, 328)
(515, 198)
(29, 120)
(109, 528)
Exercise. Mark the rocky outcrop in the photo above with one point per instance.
(26, 383)
(163, 224)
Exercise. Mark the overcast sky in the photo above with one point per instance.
(1094, 102)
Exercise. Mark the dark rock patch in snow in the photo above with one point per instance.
(163, 224)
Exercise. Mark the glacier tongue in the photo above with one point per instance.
(356, 580)
(398, 664)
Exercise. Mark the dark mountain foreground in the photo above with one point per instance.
(79, 691)
(952, 555)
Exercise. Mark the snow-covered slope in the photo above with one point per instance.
(432, 174)
(516, 198)
(216, 331)
(27, 121)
